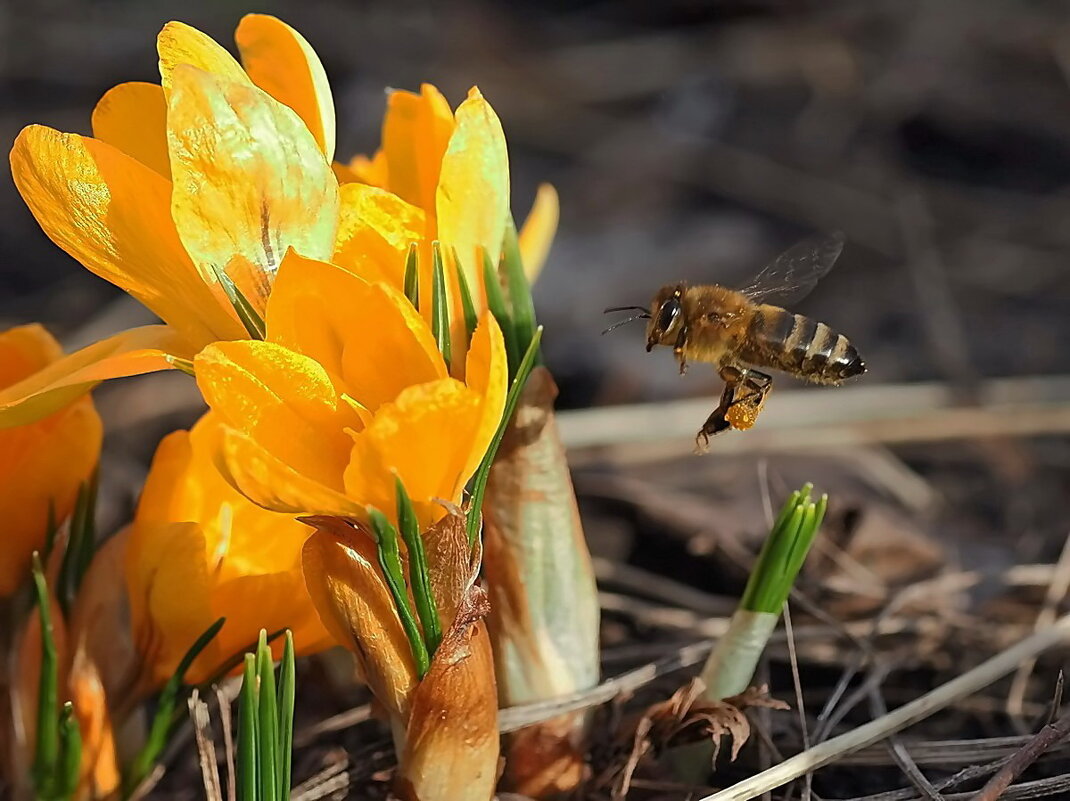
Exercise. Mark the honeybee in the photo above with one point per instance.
(737, 331)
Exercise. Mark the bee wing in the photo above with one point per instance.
(797, 270)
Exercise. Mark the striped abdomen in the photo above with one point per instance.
(798, 345)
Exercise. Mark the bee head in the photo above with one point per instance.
(665, 317)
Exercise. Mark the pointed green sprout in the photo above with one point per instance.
(519, 291)
(784, 552)
(81, 543)
(265, 723)
(419, 576)
(248, 733)
(164, 720)
(471, 319)
(46, 752)
(440, 311)
(496, 303)
(268, 761)
(247, 313)
(70, 753)
(412, 275)
(386, 540)
(287, 695)
(479, 480)
(730, 667)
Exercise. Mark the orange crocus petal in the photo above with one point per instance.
(281, 62)
(254, 556)
(283, 400)
(537, 233)
(350, 595)
(416, 130)
(250, 179)
(133, 117)
(42, 464)
(139, 350)
(373, 171)
(375, 230)
(167, 578)
(179, 44)
(112, 213)
(472, 201)
(24, 350)
(486, 372)
(312, 311)
(273, 484)
(426, 437)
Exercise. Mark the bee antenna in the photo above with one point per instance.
(626, 308)
(645, 314)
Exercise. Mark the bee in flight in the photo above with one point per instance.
(737, 331)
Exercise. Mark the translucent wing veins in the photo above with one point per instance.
(797, 270)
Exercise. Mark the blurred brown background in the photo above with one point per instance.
(687, 140)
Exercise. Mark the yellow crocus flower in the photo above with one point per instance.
(42, 464)
(347, 391)
(198, 551)
(218, 168)
(454, 168)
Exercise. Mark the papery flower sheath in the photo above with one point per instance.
(218, 168)
(198, 551)
(445, 724)
(41, 464)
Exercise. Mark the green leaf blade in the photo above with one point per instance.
(512, 400)
(440, 312)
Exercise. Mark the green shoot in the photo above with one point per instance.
(268, 721)
(469, 308)
(46, 753)
(784, 552)
(730, 666)
(440, 313)
(496, 304)
(287, 693)
(386, 538)
(519, 290)
(248, 733)
(70, 753)
(265, 724)
(419, 578)
(412, 275)
(247, 313)
(479, 481)
(81, 543)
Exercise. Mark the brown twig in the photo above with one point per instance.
(1044, 739)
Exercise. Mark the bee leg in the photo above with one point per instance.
(716, 422)
(678, 349)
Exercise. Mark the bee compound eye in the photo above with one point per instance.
(669, 312)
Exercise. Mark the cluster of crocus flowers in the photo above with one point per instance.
(197, 187)
(345, 325)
